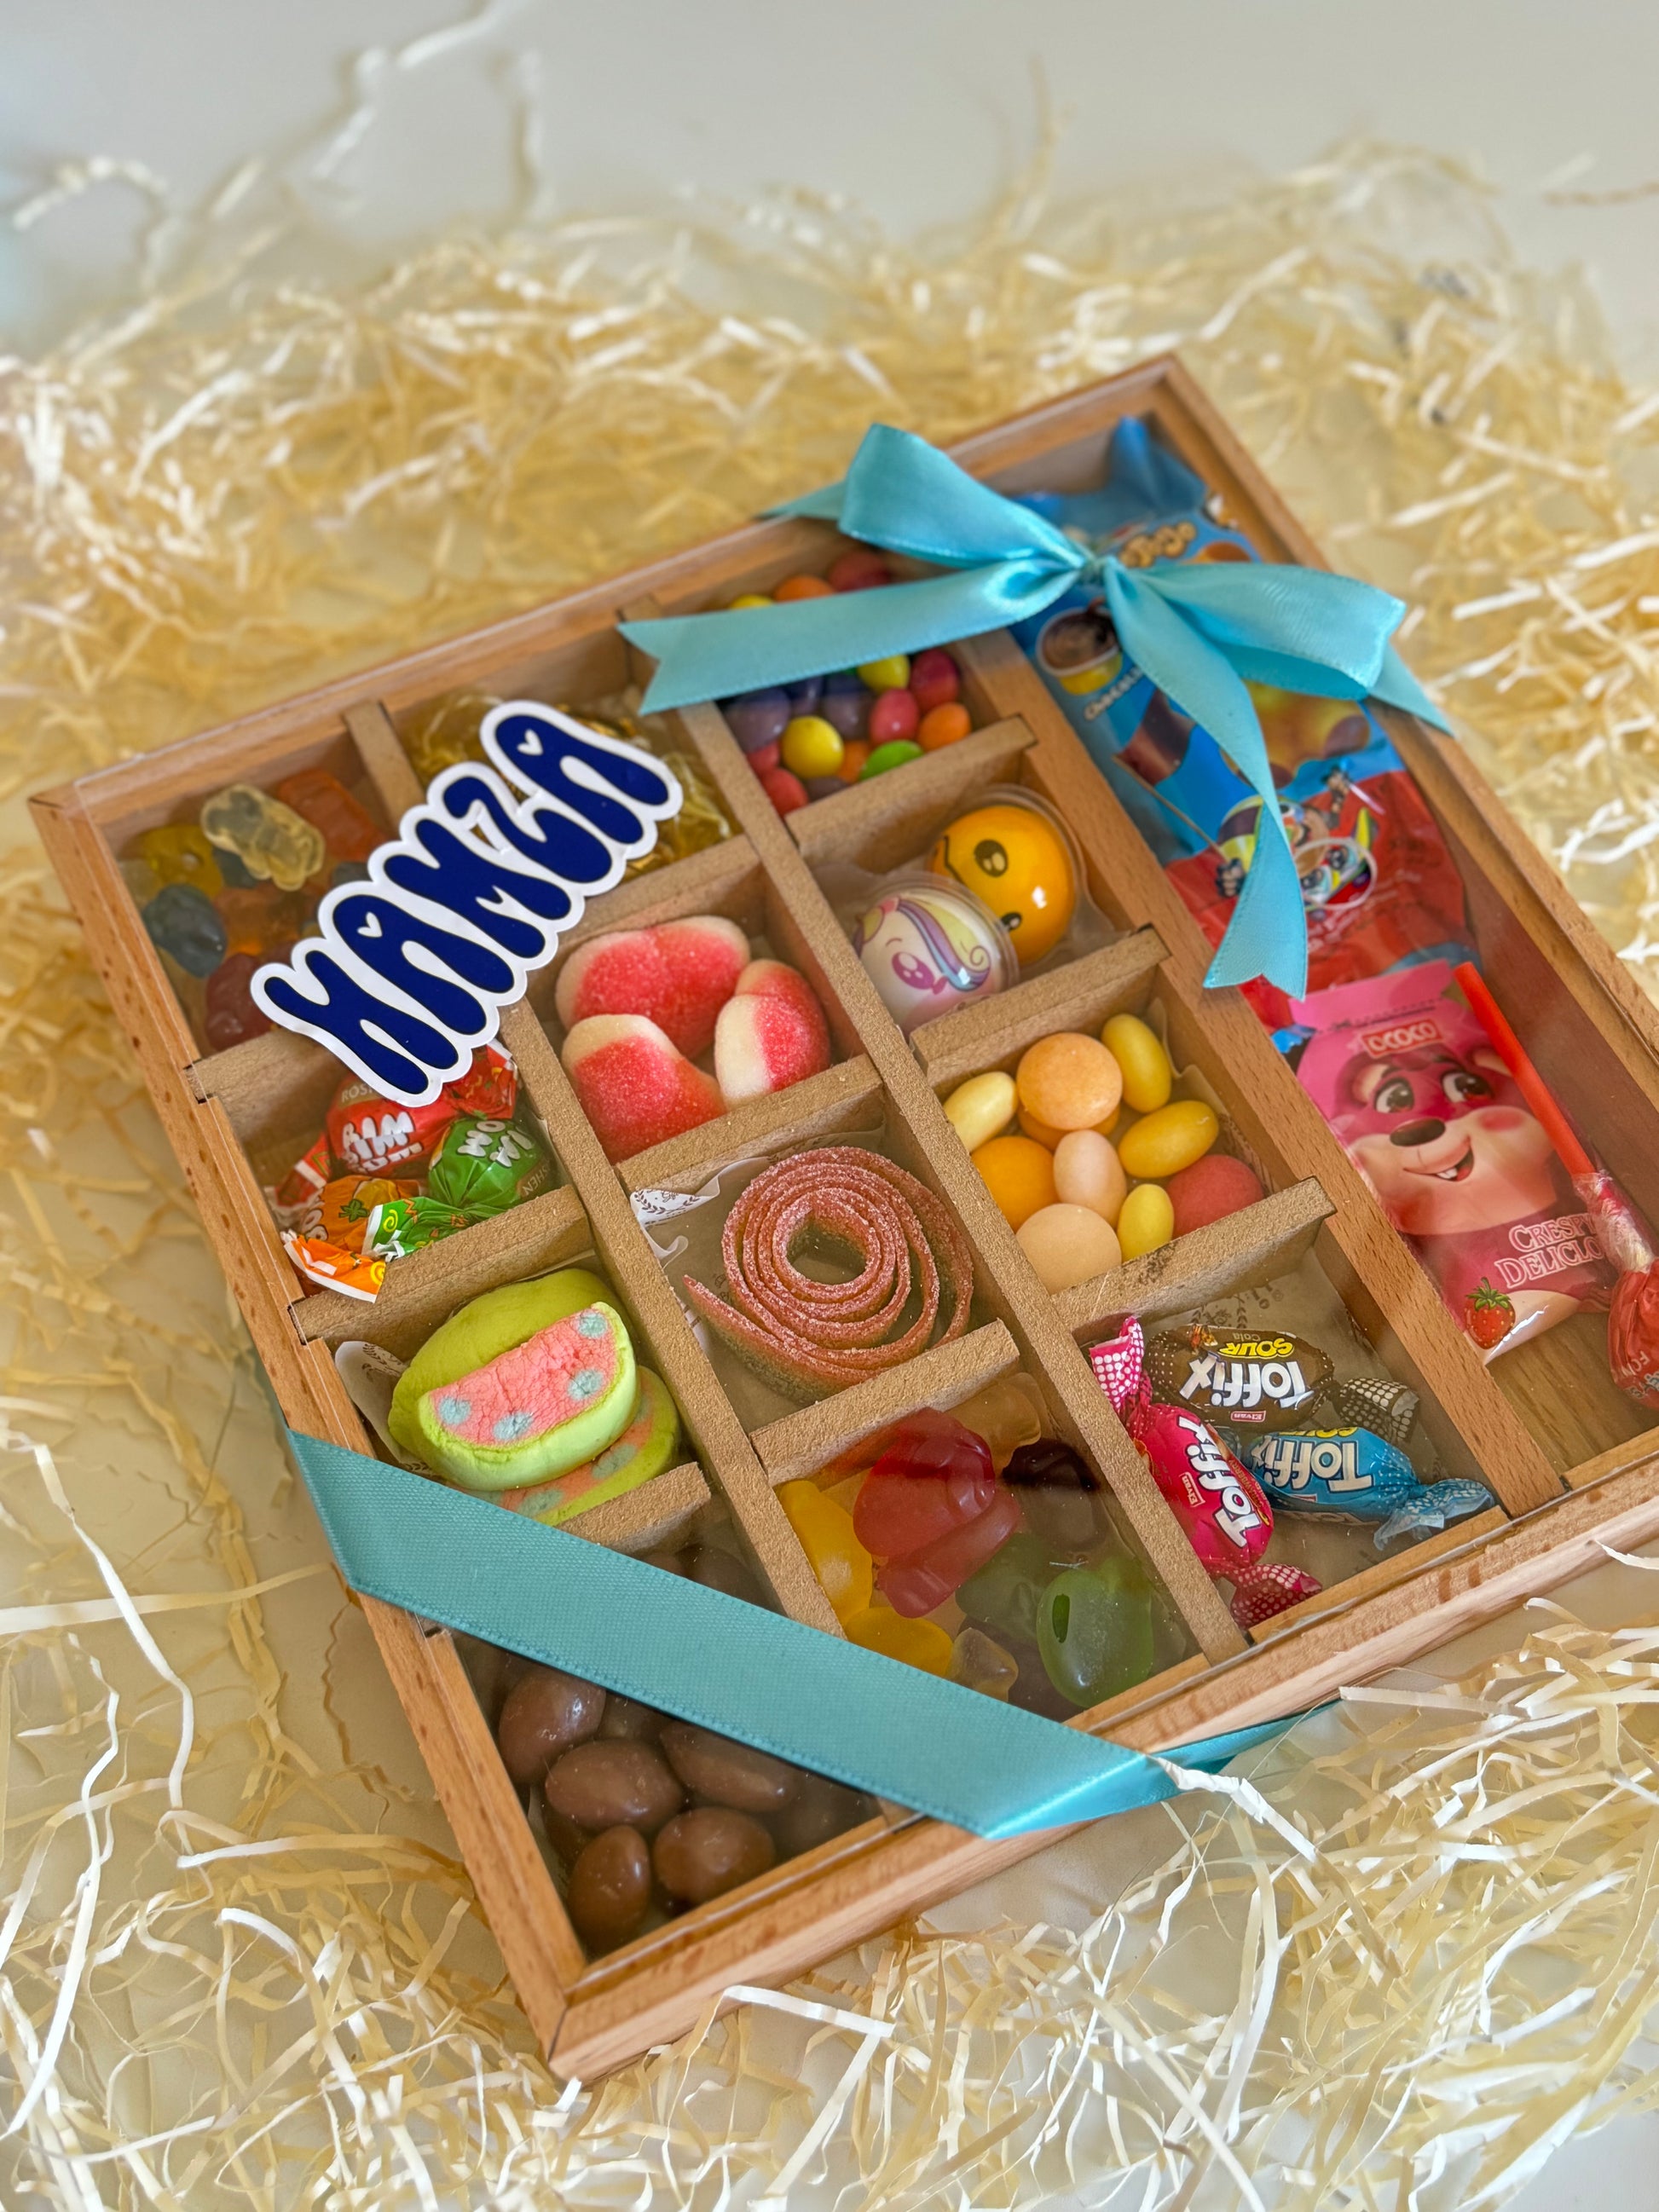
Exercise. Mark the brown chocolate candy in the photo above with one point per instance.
(1253, 1380)
(626, 1721)
(613, 1785)
(717, 1569)
(609, 1891)
(703, 1853)
(723, 1773)
(543, 1714)
(820, 1809)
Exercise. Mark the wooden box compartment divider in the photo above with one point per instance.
(1571, 1461)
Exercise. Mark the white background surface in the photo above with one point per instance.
(919, 108)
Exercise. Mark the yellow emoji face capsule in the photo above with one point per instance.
(1014, 858)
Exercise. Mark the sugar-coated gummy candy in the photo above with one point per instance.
(1088, 1172)
(348, 829)
(1019, 1174)
(802, 588)
(981, 1108)
(272, 841)
(1146, 1220)
(860, 569)
(177, 852)
(756, 719)
(811, 747)
(184, 922)
(840, 1561)
(1172, 1137)
(1069, 1081)
(935, 679)
(678, 975)
(1095, 1630)
(979, 1662)
(893, 718)
(921, 1644)
(891, 674)
(771, 1033)
(1067, 1245)
(943, 725)
(896, 752)
(1210, 1190)
(1147, 1074)
(635, 1086)
(230, 1016)
(785, 791)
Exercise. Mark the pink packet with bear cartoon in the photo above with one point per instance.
(1409, 1080)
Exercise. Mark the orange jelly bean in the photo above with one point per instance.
(943, 725)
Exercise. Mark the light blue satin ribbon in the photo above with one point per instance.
(863, 1719)
(1197, 631)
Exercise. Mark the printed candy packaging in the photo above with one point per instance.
(1426, 1109)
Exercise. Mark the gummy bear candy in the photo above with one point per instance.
(182, 920)
(231, 1016)
(257, 920)
(272, 841)
(179, 854)
(348, 829)
(978, 1662)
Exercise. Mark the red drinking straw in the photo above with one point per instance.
(1530, 1083)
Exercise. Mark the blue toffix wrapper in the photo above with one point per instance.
(1352, 1474)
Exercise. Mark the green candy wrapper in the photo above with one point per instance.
(403, 1225)
(482, 1167)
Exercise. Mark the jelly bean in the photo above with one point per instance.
(882, 758)
(935, 678)
(1004, 1595)
(1095, 1630)
(229, 1013)
(811, 747)
(891, 673)
(752, 600)
(802, 588)
(721, 1772)
(179, 854)
(350, 831)
(255, 919)
(1088, 1172)
(893, 717)
(183, 922)
(1170, 1140)
(847, 713)
(920, 1581)
(804, 694)
(710, 1851)
(853, 756)
(1210, 1190)
(933, 1476)
(1047, 1135)
(981, 1108)
(943, 725)
(1067, 1245)
(1070, 1081)
(1147, 1074)
(979, 1662)
(1146, 1221)
(141, 880)
(764, 758)
(1019, 1174)
(921, 1643)
(1005, 1414)
(546, 1712)
(823, 786)
(831, 1545)
(272, 841)
(600, 1784)
(757, 718)
(859, 570)
(785, 792)
(609, 1894)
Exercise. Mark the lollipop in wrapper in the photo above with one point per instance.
(1220, 1505)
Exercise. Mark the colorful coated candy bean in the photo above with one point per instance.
(895, 753)
(1147, 1074)
(892, 674)
(1019, 1174)
(981, 1108)
(1146, 1220)
(1088, 1172)
(1169, 1139)
(811, 747)
(943, 725)
(1067, 1245)
(935, 679)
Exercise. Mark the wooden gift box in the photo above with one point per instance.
(1569, 1459)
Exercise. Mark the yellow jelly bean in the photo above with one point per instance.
(981, 1108)
(1147, 1074)
(891, 674)
(833, 1551)
(811, 746)
(1148, 1220)
(1171, 1139)
(921, 1643)
(753, 599)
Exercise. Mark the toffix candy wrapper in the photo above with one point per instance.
(1379, 883)
(1409, 1080)
(1349, 1474)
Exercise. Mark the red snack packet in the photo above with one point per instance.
(1426, 1110)
(1223, 1510)
(370, 1135)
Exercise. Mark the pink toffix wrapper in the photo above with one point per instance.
(1221, 1507)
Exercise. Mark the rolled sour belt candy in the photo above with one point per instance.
(1221, 1509)
(808, 1338)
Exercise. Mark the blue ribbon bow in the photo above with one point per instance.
(1197, 631)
